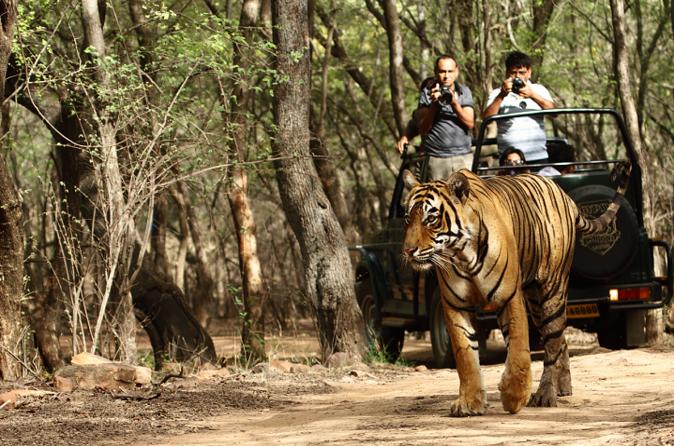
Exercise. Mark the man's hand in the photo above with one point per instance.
(435, 94)
(506, 87)
(526, 91)
(402, 142)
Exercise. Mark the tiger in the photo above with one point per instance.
(507, 242)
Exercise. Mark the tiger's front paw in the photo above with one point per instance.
(463, 407)
(515, 388)
(545, 396)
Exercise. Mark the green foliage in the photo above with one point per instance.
(174, 110)
(376, 355)
(146, 359)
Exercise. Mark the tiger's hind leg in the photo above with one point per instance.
(564, 387)
(515, 384)
(556, 378)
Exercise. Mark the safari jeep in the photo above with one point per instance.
(612, 282)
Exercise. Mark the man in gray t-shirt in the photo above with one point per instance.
(444, 119)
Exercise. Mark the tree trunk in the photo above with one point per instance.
(622, 70)
(254, 293)
(254, 290)
(467, 22)
(542, 13)
(171, 327)
(146, 40)
(328, 276)
(181, 258)
(645, 54)
(203, 303)
(395, 48)
(425, 48)
(158, 235)
(120, 223)
(11, 235)
(324, 165)
(46, 323)
(486, 70)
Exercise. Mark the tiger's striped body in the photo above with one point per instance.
(507, 241)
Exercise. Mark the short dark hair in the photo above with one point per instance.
(561, 152)
(516, 59)
(443, 56)
(506, 152)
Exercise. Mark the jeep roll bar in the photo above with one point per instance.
(635, 175)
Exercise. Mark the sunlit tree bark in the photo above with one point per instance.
(395, 48)
(622, 72)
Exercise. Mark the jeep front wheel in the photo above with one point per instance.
(440, 341)
(387, 341)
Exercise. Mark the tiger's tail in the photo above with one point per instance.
(620, 173)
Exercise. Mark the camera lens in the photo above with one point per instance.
(445, 95)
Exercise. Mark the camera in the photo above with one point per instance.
(445, 95)
(517, 84)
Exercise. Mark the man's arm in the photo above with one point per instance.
(423, 116)
(465, 114)
(544, 103)
(495, 103)
(408, 134)
(539, 95)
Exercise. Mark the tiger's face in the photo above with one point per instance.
(438, 229)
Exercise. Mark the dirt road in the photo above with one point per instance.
(621, 397)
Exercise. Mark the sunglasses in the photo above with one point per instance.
(513, 162)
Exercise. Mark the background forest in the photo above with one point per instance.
(140, 137)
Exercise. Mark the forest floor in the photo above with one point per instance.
(619, 397)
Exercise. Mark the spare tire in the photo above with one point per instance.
(604, 255)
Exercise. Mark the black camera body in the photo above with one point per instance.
(445, 95)
(517, 85)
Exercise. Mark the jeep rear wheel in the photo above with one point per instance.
(625, 329)
(387, 341)
(440, 341)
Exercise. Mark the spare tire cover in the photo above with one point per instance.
(604, 255)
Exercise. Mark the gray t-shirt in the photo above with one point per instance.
(448, 136)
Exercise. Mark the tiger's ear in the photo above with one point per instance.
(409, 179)
(459, 187)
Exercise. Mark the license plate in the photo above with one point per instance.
(580, 311)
